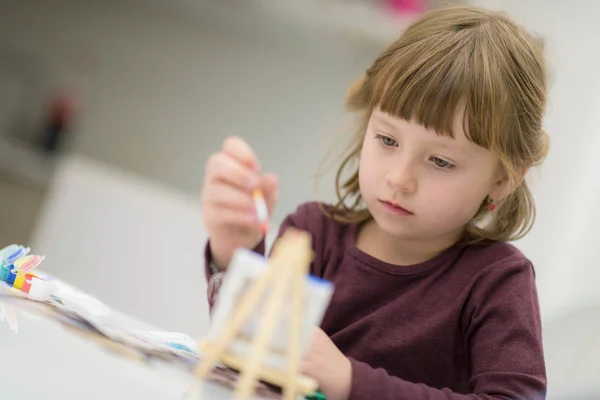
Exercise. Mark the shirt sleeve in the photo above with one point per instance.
(303, 219)
(503, 334)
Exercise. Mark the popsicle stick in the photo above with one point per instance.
(298, 259)
(249, 302)
(264, 333)
(293, 351)
(274, 376)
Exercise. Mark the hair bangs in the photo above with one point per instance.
(426, 84)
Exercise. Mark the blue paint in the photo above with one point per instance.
(12, 253)
(318, 281)
(4, 270)
(14, 256)
(10, 280)
(179, 346)
(5, 252)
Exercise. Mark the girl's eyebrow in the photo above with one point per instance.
(440, 141)
(380, 120)
(452, 145)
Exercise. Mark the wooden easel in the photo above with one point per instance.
(284, 276)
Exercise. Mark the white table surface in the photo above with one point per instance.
(43, 359)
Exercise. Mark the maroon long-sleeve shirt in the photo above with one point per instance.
(463, 325)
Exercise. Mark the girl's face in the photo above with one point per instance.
(421, 186)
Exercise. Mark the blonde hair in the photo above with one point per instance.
(450, 60)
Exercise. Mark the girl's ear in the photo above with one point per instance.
(504, 185)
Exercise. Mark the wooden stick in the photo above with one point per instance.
(293, 354)
(293, 351)
(248, 303)
(274, 376)
(264, 333)
(299, 259)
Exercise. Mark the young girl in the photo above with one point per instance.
(430, 300)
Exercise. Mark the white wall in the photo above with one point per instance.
(162, 90)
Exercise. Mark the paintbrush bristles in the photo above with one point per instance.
(262, 211)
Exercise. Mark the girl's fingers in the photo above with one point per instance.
(233, 217)
(223, 195)
(223, 168)
(239, 150)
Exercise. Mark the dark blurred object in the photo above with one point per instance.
(59, 121)
(28, 78)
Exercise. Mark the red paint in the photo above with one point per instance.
(27, 283)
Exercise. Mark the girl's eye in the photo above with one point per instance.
(442, 163)
(386, 140)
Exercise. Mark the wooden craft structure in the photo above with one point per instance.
(286, 271)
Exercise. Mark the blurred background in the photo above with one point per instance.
(109, 110)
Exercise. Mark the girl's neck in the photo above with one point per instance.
(377, 243)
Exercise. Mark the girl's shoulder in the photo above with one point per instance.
(494, 250)
(500, 287)
(492, 262)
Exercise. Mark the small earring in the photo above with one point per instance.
(491, 205)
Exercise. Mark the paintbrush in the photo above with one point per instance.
(262, 212)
